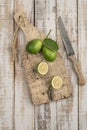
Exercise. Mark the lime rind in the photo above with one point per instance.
(49, 55)
(50, 44)
(34, 46)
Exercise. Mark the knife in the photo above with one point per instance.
(70, 52)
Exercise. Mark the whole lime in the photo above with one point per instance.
(34, 46)
(48, 54)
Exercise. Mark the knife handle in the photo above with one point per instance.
(77, 67)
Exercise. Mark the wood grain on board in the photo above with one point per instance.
(6, 67)
(82, 40)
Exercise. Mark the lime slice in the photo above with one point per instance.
(42, 68)
(56, 82)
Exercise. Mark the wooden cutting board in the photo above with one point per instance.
(40, 89)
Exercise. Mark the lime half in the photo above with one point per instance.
(56, 82)
(42, 68)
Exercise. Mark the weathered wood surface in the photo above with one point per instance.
(24, 110)
(82, 47)
(16, 109)
(67, 110)
(6, 67)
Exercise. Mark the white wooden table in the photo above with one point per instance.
(16, 109)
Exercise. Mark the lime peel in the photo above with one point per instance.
(48, 54)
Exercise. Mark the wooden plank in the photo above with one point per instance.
(82, 40)
(5, 11)
(67, 110)
(24, 110)
(45, 19)
(6, 69)
(4, 2)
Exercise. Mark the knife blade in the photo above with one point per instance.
(70, 52)
(65, 37)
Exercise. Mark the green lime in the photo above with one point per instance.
(50, 44)
(42, 68)
(48, 54)
(56, 82)
(34, 46)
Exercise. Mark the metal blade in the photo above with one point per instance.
(65, 38)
